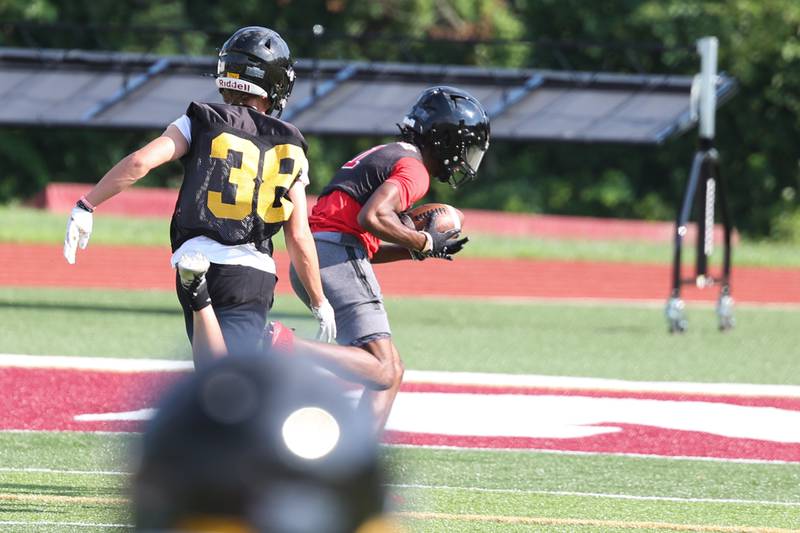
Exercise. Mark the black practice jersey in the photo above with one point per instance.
(360, 177)
(237, 175)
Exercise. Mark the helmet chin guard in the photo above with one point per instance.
(451, 128)
(256, 60)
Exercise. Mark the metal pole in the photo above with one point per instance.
(683, 220)
(707, 48)
(704, 95)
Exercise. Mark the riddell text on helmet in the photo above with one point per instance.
(236, 85)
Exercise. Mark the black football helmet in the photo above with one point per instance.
(451, 128)
(259, 443)
(257, 60)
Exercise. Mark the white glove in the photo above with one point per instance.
(79, 228)
(327, 321)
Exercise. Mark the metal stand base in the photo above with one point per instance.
(725, 311)
(676, 316)
(705, 178)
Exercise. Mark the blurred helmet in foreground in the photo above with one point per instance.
(451, 128)
(258, 444)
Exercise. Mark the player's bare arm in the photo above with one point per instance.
(388, 253)
(379, 216)
(169, 146)
(303, 254)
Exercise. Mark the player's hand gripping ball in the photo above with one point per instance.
(443, 223)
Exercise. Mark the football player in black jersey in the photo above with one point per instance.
(245, 173)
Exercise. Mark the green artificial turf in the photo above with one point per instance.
(599, 489)
(599, 340)
(516, 490)
(25, 225)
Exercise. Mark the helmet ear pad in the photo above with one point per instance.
(430, 148)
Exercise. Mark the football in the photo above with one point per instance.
(447, 217)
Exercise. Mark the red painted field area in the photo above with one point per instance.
(752, 428)
(121, 267)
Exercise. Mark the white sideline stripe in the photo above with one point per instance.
(472, 489)
(26, 470)
(112, 364)
(596, 495)
(427, 376)
(71, 524)
(594, 454)
(439, 447)
(570, 382)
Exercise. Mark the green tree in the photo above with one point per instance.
(757, 131)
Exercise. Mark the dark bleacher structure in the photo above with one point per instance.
(72, 88)
(141, 91)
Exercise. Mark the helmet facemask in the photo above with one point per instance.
(451, 128)
(459, 154)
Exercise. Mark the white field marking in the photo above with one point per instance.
(70, 431)
(591, 522)
(594, 454)
(597, 384)
(429, 376)
(65, 524)
(558, 416)
(94, 363)
(27, 470)
(486, 450)
(734, 501)
(469, 449)
(141, 414)
(58, 498)
(553, 416)
(470, 489)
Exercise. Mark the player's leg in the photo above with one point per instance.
(353, 291)
(208, 343)
(380, 402)
(372, 368)
(367, 351)
(205, 333)
(242, 298)
(375, 364)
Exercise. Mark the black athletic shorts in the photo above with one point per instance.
(242, 296)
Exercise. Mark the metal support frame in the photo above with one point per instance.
(706, 179)
(323, 90)
(155, 69)
(514, 96)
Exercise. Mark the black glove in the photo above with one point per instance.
(443, 244)
(453, 247)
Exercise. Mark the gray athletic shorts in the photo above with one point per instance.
(351, 287)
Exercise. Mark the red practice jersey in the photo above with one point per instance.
(340, 202)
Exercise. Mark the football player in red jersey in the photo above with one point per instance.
(356, 223)
(245, 173)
